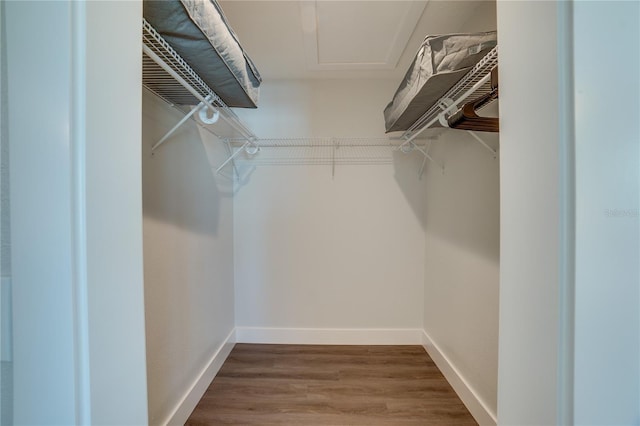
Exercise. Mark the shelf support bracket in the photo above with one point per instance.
(250, 147)
(177, 126)
(483, 143)
(232, 156)
(424, 162)
(425, 152)
(227, 145)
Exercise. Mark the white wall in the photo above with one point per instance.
(462, 221)
(43, 324)
(531, 214)
(76, 209)
(317, 253)
(113, 199)
(607, 292)
(188, 259)
(569, 326)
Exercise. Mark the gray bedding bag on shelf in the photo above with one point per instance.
(199, 32)
(441, 61)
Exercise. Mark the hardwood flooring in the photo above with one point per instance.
(329, 385)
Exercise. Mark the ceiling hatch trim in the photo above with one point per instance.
(357, 35)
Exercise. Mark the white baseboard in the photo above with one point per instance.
(478, 409)
(188, 402)
(329, 336)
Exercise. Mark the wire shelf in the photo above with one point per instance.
(458, 93)
(169, 77)
(164, 85)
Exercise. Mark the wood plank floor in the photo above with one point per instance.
(329, 385)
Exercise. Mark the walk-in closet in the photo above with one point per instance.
(301, 221)
(320, 212)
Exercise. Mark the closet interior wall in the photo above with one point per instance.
(188, 256)
(462, 222)
(328, 258)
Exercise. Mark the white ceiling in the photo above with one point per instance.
(293, 39)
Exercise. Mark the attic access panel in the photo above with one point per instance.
(357, 35)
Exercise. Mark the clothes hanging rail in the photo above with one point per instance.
(168, 76)
(475, 84)
(467, 118)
